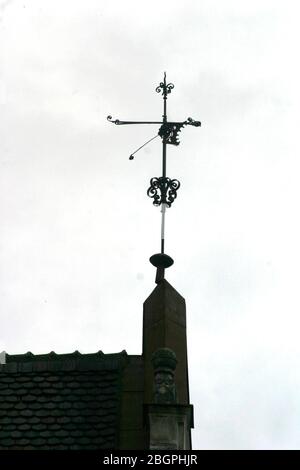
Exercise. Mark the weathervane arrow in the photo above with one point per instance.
(162, 189)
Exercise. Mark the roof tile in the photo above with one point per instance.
(68, 401)
(38, 441)
(33, 420)
(19, 406)
(27, 398)
(7, 442)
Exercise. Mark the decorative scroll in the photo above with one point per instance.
(163, 190)
(192, 122)
(164, 88)
(110, 119)
(169, 131)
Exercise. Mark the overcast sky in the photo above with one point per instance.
(77, 228)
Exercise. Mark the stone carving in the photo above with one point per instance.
(164, 363)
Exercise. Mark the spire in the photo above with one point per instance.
(163, 190)
(166, 385)
(164, 326)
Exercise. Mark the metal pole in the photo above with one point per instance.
(164, 162)
(164, 167)
(163, 212)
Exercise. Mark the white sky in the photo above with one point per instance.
(77, 228)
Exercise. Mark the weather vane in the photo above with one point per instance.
(162, 189)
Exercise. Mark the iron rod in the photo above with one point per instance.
(163, 212)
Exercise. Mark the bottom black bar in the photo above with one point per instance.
(135, 459)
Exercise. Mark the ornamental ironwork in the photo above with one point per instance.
(163, 190)
(164, 88)
(169, 131)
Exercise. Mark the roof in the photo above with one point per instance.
(61, 401)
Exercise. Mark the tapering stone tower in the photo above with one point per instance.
(166, 385)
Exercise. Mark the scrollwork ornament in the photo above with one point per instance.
(192, 122)
(163, 190)
(169, 131)
(110, 119)
(160, 87)
(153, 191)
(164, 88)
(174, 185)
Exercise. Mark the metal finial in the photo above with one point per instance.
(164, 87)
(162, 190)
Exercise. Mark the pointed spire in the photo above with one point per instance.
(164, 326)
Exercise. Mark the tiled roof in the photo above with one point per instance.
(60, 401)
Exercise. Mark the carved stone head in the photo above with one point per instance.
(164, 363)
